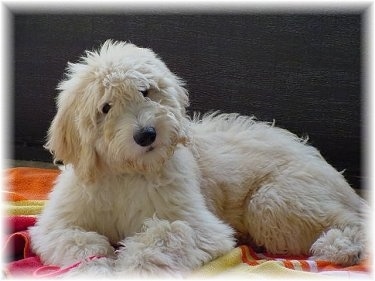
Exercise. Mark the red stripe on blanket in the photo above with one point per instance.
(17, 242)
(23, 268)
(18, 223)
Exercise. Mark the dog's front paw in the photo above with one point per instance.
(163, 249)
(64, 247)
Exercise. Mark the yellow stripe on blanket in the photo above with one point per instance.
(25, 207)
(228, 261)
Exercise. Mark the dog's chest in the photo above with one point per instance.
(121, 208)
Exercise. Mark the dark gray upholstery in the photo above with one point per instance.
(302, 70)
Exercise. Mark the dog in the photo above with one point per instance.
(153, 192)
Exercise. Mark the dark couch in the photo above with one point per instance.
(301, 70)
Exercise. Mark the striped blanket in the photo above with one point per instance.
(26, 192)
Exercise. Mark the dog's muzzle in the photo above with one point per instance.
(145, 136)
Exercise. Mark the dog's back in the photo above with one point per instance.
(267, 182)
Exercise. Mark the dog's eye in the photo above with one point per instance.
(144, 93)
(106, 107)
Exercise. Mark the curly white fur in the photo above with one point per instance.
(178, 202)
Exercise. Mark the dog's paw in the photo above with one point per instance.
(163, 249)
(67, 246)
(338, 247)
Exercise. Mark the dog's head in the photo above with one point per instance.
(120, 110)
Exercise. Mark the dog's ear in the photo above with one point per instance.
(174, 88)
(66, 142)
(62, 134)
(182, 95)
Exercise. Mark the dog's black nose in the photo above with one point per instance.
(145, 136)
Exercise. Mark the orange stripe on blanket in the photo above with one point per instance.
(250, 254)
(246, 256)
(305, 265)
(29, 183)
(301, 265)
(250, 257)
(13, 196)
(288, 264)
(364, 266)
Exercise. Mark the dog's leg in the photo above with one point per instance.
(66, 246)
(183, 196)
(165, 249)
(347, 242)
(213, 236)
(344, 246)
(285, 224)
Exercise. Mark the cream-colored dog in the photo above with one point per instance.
(171, 193)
